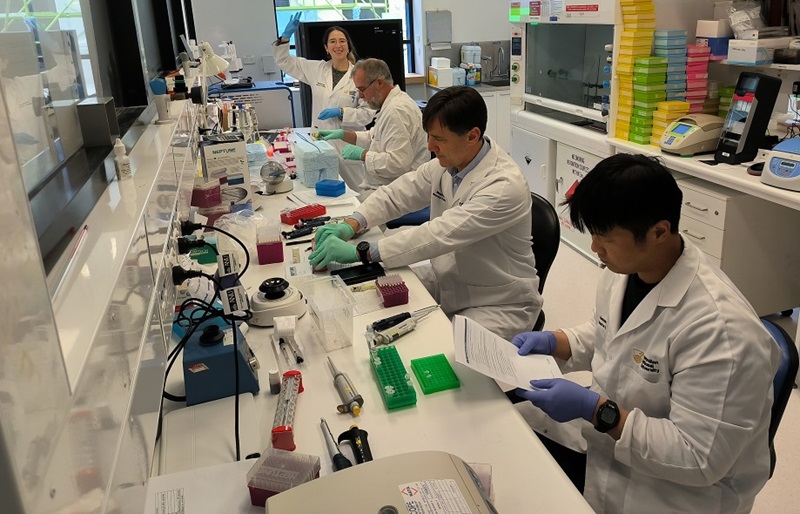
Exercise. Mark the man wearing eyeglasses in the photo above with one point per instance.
(396, 144)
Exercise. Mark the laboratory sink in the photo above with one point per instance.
(496, 82)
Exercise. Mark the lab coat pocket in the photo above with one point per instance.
(649, 392)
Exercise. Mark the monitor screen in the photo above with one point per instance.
(681, 129)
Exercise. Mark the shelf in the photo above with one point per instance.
(774, 66)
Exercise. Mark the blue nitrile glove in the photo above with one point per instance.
(327, 135)
(341, 230)
(333, 250)
(543, 343)
(291, 27)
(352, 152)
(330, 112)
(562, 399)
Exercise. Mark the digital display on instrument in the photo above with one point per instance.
(788, 164)
(681, 129)
(516, 46)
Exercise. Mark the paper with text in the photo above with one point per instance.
(489, 354)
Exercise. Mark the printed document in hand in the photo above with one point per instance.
(489, 354)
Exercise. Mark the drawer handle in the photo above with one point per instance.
(701, 209)
(694, 236)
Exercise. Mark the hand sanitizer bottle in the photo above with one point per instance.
(121, 161)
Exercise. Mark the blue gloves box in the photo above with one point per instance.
(330, 187)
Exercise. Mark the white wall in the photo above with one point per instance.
(250, 24)
(473, 20)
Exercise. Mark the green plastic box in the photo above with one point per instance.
(435, 374)
(394, 383)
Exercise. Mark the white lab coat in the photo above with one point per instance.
(318, 75)
(478, 241)
(397, 143)
(694, 366)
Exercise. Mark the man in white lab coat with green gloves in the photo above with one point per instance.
(479, 236)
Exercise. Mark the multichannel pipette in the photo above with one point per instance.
(351, 400)
(339, 461)
(388, 330)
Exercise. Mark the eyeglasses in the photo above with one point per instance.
(363, 89)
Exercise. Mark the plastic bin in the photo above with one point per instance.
(331, 306)
(330, 188)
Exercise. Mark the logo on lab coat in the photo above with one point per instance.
(646, 363)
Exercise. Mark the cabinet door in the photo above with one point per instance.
(572, 165)
(535, 155)
(504, 120)
(491, 108)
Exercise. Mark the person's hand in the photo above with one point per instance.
(562, 399)
(327, 135)
(543, 343)
(291, 27)
(331, 112)
(342, 231)
(352, 152)
(333, 250)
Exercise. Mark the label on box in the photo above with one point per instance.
(434, 497)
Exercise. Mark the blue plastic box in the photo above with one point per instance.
(330, 187)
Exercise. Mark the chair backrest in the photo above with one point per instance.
(545, 236)
(783, 382)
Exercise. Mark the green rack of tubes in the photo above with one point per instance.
(435, 374)
(394, 383)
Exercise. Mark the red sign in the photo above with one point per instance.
(536, 8)
(583, 8)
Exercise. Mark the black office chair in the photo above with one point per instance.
(545, 237)
(782, 384)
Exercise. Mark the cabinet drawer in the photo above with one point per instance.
(703, 207)
(705, 237)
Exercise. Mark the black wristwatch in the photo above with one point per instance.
(363, 251)
(608, 416)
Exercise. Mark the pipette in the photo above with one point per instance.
(351, 400)
(388, 330)
(383, 324)
(339, 461)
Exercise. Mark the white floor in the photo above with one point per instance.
(569, 300)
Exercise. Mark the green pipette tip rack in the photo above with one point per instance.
(435, 374)
(393, 379)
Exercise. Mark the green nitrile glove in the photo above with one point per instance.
(352, 152)
(342, 231)
(327, 135)
(333, 250)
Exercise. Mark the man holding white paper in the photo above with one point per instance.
(679, 408)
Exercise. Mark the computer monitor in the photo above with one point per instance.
(380, 39)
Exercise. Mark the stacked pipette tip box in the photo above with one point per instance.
(725, 99)
(639, 22)
(277, 471)
(392, 289)
(649, 83)
(666, 113)
(671, 44)
(697, 78)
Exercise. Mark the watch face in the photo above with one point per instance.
(608, 415)
(362, 246)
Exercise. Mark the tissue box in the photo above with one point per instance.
(440, 77)
(440, 62)
(316, 160)
(755, 51)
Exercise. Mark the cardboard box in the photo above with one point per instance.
(226, 163)
(755, 52)
(713, 29)
(440, 77)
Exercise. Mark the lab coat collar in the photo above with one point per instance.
(344, 80)
(668, 293)
(480, 170)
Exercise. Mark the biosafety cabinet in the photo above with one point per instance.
(563, 89)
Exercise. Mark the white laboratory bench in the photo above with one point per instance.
(475, 422)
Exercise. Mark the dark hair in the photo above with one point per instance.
(633, 192)
(458, 109)
(352, 56)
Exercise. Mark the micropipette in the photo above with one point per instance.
(351, 400)
(339, 461)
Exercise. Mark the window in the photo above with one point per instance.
(331, 10)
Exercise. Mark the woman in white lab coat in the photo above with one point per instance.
(335, 102)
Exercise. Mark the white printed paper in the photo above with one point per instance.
(434, 497)
(489, 354)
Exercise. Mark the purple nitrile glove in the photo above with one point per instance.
(562, 399)
(543, 343)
